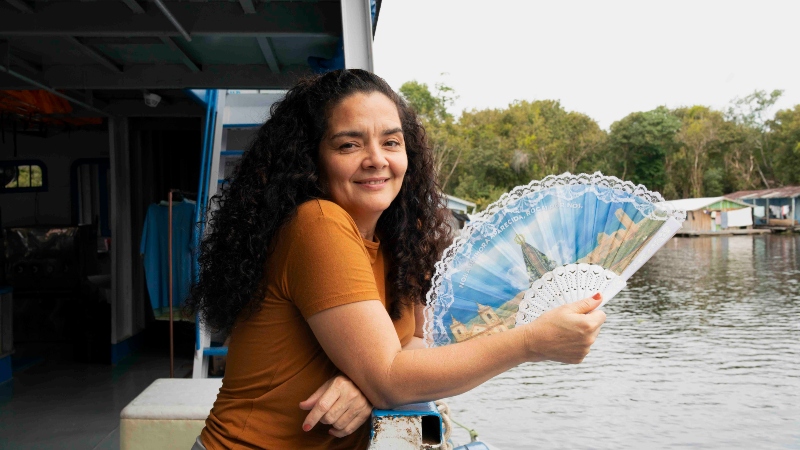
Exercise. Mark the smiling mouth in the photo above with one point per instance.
(381, 181)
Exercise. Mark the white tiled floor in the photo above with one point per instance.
(60, 404)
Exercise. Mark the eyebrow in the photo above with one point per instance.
(359, 134)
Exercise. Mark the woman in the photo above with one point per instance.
(318, 261)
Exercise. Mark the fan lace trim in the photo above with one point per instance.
(617, 190)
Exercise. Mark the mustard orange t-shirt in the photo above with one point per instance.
(274, 361)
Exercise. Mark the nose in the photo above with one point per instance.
(374, 159)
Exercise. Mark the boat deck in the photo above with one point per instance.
(693, 233)
(54, 402)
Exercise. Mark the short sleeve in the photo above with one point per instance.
(327, 264)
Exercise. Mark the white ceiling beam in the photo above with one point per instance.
(185, 58)
(104, 60)
(41, 85)
(114, 19)
(248, 6)
(134, 6)
(93, 41)
(269, 53)
(21, 6)
(173, 20)
(166, 76)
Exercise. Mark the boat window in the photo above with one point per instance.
(19, 176)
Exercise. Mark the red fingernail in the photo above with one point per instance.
(306, 427)
(596, 296)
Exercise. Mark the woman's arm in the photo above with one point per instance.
(419, 318)
(415, 343)
(338, 403)
(361, 340)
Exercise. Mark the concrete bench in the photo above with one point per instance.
(169, 414)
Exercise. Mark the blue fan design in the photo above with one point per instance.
(545, 244)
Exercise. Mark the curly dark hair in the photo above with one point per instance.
(280, 171)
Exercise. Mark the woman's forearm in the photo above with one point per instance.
(431, 373)
(361, 340)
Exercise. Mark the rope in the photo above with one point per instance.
(444, 410)
(448, 422)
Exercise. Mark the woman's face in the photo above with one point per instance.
(363, 156)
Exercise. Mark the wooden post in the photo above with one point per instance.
(122, 258)
(169, 252)
(766, 210)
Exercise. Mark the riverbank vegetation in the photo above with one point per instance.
(692, 151)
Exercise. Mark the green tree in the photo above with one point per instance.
(699, 138)
(527, 140)
(640, 147)
(739, 159)
(486, 172)
(751, 114)
(584, 141)
(785, 131)
(430, 107)
(685, 152)
(713, 182)
(443, 133)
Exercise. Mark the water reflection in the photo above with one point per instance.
(702, 350)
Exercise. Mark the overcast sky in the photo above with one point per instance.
(603, 58)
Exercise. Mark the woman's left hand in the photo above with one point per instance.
(339, 403)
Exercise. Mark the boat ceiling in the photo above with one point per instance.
(779, 192)
(87, 49)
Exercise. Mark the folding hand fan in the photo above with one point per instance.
(542, 245)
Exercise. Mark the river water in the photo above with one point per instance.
(700, 351)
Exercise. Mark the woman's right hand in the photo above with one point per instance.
(339, 403)
(565, 334)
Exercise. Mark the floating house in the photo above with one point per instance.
(776, 207)
(461, 209)
(710, 215)
(460, 205)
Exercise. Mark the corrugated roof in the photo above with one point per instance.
(460, 201)
(693, 204)
(781, 192)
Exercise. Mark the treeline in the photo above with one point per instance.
(685, 152)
